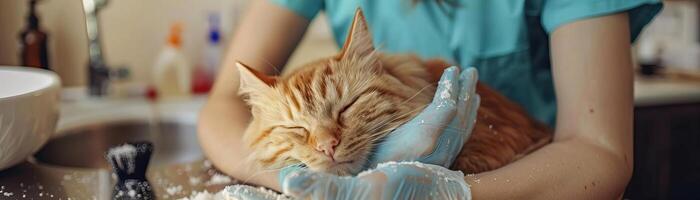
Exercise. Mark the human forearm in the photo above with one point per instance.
(591, 155)
(266, 37)
(221, 127)
(567, 169)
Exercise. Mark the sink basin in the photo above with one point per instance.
(28, 111)
(85, 146)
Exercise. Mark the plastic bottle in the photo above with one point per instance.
(172, 72)
(205, 72)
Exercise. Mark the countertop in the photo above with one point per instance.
(75, 113)
(29, 180)
(35, 180)
(662, 91)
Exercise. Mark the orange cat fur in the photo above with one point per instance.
(330, 114)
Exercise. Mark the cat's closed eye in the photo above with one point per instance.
(293, 130)
(339, 118)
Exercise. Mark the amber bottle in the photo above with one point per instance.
(33, 42)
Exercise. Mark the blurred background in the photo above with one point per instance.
(141, 38)
(133, 32)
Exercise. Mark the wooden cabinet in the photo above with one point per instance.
(666, 153)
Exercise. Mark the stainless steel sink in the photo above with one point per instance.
(85, 147)
(73, 164)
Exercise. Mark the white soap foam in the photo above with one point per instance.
(445, 94)
(195, 180)
(218, 179)
(232, 192)
(127, 151)
(172, 190)
(205, 196)
(248, 190)
(8, 194)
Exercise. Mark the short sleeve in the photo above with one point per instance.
(305, 8)
(559, 12)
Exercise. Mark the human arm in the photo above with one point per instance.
(265, 38)
(591, 154)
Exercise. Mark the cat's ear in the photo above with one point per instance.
(252, 80)
(359, 40)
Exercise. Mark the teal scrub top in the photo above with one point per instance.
(506, 40)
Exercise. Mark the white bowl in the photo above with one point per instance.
(29, 103)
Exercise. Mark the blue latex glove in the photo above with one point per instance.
(437, 134)
(406, 180)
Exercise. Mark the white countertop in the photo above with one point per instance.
(659, 91)
(76, 113)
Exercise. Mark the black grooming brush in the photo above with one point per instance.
(130, 162)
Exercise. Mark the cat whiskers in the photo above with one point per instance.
(272, 66)
(402, 115)
(420, 92)
(380, 133)
(392, 119)
(260, 171)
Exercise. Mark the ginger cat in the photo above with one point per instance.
(329, 114)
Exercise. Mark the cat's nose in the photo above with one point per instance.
(327, 146)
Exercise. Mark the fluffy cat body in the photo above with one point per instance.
(330, 114)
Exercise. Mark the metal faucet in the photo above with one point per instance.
(99, 73)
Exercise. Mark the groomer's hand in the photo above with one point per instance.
(437, 134)
(405, 180)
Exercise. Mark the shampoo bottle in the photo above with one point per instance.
(33, 41)
(205, 72)
(172, 72)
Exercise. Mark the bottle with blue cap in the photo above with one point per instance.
(205, 72)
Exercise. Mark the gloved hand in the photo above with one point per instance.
(405, 180)
(437, 134)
